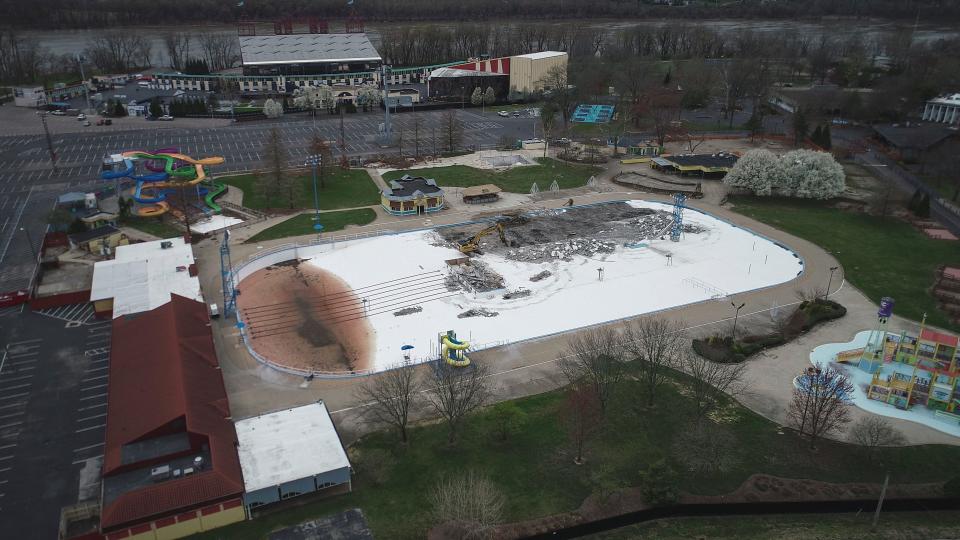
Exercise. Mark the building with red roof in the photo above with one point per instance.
(170, 464)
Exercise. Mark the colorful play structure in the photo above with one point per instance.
(169, 172)
(452, 350)
(910, 369)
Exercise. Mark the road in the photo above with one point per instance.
(53, 404)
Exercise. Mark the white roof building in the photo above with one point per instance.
(290, 452)
(944, 109)
(307, 49)
(141, 277)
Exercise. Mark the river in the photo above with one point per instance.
(71, 41)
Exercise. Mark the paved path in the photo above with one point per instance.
(529, 367)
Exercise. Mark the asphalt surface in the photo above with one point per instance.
(29, 185)
(53, 397)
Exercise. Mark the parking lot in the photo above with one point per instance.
(53, 404)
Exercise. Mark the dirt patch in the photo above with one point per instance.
(301, 316)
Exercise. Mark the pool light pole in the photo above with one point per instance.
(313, 161)
(736, 316)
(830, 282)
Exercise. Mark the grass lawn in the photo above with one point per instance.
(342, 189)
(880, 257)
(534, 467)
(154, 226)
(821, 526)
(303, 224)
(514, 180)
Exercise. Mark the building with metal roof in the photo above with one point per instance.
(170, 465)
(143, 276)
(308, 54)
(290, 452)
(412, 195)
(708, 165)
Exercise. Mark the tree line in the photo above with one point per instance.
(105, 13)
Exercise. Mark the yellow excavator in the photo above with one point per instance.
(473, 243)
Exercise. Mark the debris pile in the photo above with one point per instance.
(541, 276)
(564, 251)
(474, 276)
(407, 311)
(477, 312)
(519, 293)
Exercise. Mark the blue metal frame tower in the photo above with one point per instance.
(678, 201)
(226, 275)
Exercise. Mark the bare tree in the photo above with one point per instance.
(274, 178)
(594, 357)
(820, 404)
(659, 109)
(548, 116)
(706, 447)
(873, 432)
(452, 128)
(692, 139)
(119, 51)
(581, 415)
(220, 50)
(417, 124)
(390, 394)
(469, 503)
(321, 147)
(555, 83)
(455, 392)
(711, 380)
(177, 45)
(734, 77)
(656, 344)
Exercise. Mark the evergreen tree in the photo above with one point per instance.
(816, 137)
(800, 127)
(118, 109)
(667, 78)
(827, 142)
(155, 108)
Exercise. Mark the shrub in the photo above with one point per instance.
(658, 484)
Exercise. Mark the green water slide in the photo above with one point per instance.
(214, 190)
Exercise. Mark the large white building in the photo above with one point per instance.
(944, 109)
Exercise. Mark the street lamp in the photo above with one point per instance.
(314, 161)
(736, 316)
(830, 281)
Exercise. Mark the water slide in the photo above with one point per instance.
(152, 189)
(452, 350)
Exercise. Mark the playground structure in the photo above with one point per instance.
(452, 350)
(169, 172)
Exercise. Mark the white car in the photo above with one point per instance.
(165, 118)
(503, 114)
(58, 113)
(81, 117)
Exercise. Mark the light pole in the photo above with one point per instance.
(83, 81)
(736, 316)
(46, 133)
(830, 281)
(313, 161)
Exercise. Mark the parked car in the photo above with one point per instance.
(166, 118)
(86, 123)
(503, 114)
(58, 113)
(516, 114)
(81, 117)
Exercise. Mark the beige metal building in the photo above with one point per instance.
(528, 70)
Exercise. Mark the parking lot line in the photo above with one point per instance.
(11, 396)
(98, 377)
(89, 428)
(22, 377)
(91, 417)
(90, 407)
(79, 461)
(24, 385)
(89, 388)
(87, 447)
(94, 397)
(4, 447)
(14, 424)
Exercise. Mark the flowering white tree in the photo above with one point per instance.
(811, 175)
(273, 108)
(757, 171)
(489, 97)
(476, 98)
(368, 94)
(314, 97)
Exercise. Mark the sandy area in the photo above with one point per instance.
(304, 317)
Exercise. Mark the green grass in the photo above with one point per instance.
(880, 257)
(935, 524)
(514, 180)
(303, 224)
(535, 471)
(342, 189)
(154, 226)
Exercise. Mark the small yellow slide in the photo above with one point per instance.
(452, 350)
